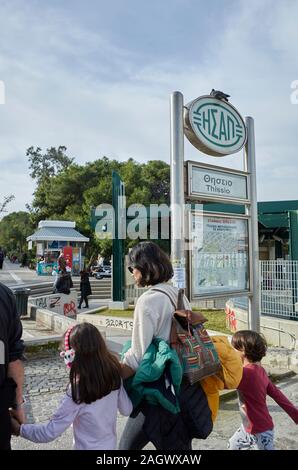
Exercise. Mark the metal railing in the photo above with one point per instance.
(132, 293)
(279, 288)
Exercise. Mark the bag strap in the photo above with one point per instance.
(179, 312)
(173, 332)
(169, 297)
(180, 303)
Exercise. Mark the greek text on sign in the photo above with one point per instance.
(214, 126)
(205, 181)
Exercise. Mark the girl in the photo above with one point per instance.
(256, 431)
(91, 401)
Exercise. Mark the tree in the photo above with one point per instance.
(48, 164)
(66, 190)
(44, 167)
(14, 229)
(6, 201)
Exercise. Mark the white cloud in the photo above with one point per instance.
(68, 85)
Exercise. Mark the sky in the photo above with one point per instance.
(97, 77)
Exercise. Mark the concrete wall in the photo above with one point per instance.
(58, 303)
(54, 321)
(277, 331)
(102, 321)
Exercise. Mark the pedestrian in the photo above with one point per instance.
(1, 257)
(85, 288)
(11, 366)
(24, 260)
(100, 260)
(55, 277)
(64, 283)
(256, 431)
(153, 315)
(61, 262)
(93, 396)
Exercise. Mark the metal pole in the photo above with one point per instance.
(250, 163)
(177, 188)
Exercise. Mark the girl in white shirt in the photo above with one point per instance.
(93, 398)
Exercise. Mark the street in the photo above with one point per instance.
(12, 274)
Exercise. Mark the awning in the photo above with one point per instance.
(57, 234)
(274, 220)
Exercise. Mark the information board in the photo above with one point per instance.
(219, 257)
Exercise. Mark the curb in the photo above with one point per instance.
(42, 341)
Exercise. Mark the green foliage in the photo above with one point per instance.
(14, 228)
(216, 320)
(68, 191)
(48, 164)
(117, 313)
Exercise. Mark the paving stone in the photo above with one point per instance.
(43, 397)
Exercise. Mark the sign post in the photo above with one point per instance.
(252, 211)
(224, 260)
(118, 279)
(177, 190)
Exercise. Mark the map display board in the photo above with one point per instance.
(219, 261)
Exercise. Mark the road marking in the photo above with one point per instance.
(15, 277)
(11, 273)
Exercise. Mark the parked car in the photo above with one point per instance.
(104, 272)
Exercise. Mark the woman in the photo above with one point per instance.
(150, 266)
(64, 283)
(85, 288)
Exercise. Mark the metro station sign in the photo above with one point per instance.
(214, 126)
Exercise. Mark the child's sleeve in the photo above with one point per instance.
(60, 421)
(283, 401)
(124, 404)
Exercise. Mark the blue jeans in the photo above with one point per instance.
(244, 440)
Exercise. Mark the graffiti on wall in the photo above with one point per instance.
(69, 309)
(231, 321)
(41, 302)
(54, 302)
(116, 323)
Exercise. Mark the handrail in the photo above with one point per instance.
(294, 339)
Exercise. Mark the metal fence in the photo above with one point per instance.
(278, 291)
(279, 288)
(132, 293)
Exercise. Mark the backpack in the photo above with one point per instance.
(189, 337)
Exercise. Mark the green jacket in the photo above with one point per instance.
(145, 384)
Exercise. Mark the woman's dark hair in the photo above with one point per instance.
(95, 371)
(253, 345)
(153, 263)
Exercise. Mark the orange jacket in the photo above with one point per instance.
(228, 378)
